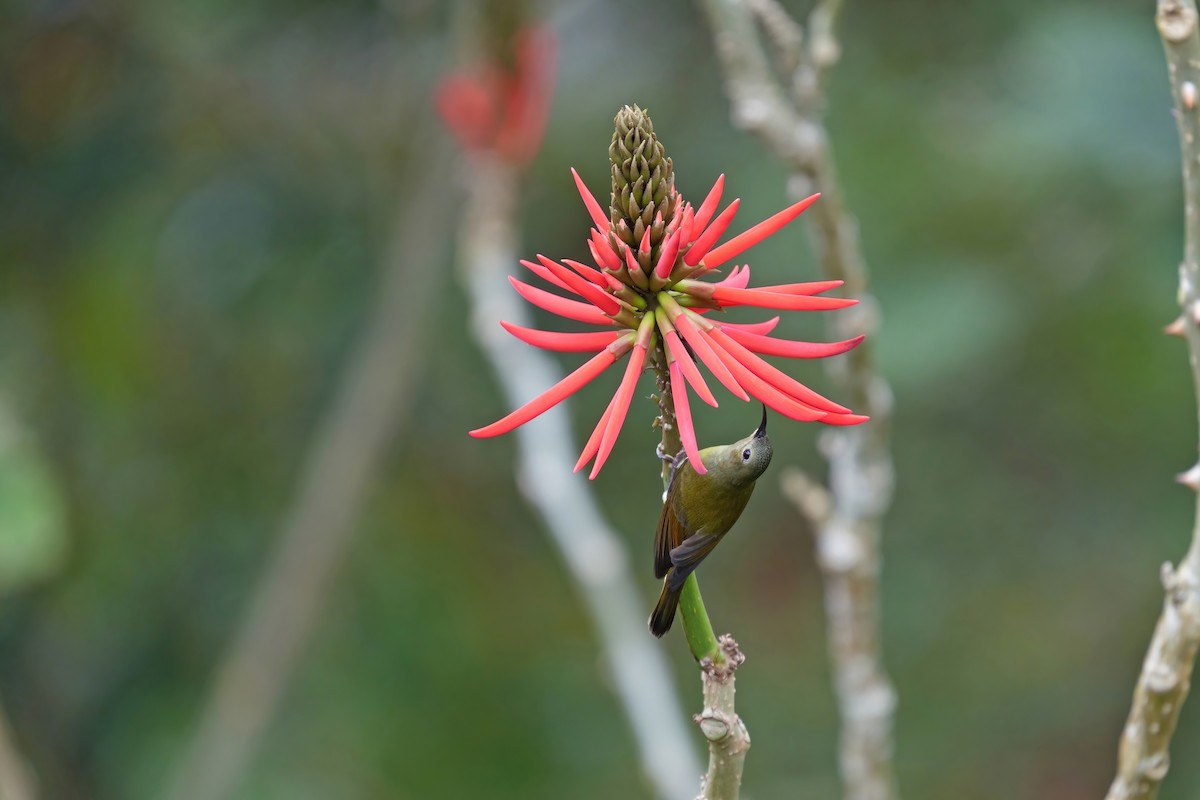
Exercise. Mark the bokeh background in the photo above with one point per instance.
(195, 203)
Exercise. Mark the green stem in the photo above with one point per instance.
(696, 626)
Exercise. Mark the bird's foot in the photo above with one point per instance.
(676, 461)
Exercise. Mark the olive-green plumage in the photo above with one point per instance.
(700, 510)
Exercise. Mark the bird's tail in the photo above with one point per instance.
(664, 611)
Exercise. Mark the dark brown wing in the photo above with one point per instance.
(687, 556)
(671, 529)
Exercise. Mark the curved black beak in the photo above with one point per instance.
(761, 433)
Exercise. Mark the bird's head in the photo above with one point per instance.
(745, 460)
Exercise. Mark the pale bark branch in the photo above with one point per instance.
(593, 553)
(16, 778)
(789, 121)
(728, 739)
(342, 461)
(1162, 686)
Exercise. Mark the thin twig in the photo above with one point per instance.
(860, 482)
(16, 779)
(344, 456)
(1162, 687)
(591, 550)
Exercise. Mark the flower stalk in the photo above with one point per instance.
(697, 628)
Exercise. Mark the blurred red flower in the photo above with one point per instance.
(503, 110)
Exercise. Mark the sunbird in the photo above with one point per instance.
(700, 510)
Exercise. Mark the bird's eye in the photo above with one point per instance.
(746, 454)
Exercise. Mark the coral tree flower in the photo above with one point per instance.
(502, 108)
(649, 291)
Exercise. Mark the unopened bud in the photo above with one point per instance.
(644, 200)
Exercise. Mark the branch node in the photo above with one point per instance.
(801, 184)
(715, 726)
(1156, 766)
(733, 654)
(730, 657)
(784, 33)
(839, 550)
(824, 49)
(1167, 574)
(1161, 680)
(1176, 21)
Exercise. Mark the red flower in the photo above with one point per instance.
(488, 108)
(635, 304)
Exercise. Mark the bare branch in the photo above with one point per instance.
(1162, 687)
(860, 483)
(728, 739)
(593, 553)
(343, 458)
(16, 779)
(784, 33)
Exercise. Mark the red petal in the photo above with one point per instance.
(744, 241)
(612, 282)
(589, 291)
(563, 307)
(738, 279)
(593, 442)
(772, 397)
(666, 261)
(690, 371)
(594, 210)
(620, 408)
(635, 269)
(594, 275)
(687, 225)
(775, 377)
(602, 254)
(728, 296)
(789, 349)
(709, 206)
(845, 419)
(761, 328)
(809, 288)
(704, 350)
(683, 418)
(644, 247)
(563, 342)
(558, 392)
(710, 236)
(546, 275)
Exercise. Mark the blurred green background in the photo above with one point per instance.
(194, 205)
